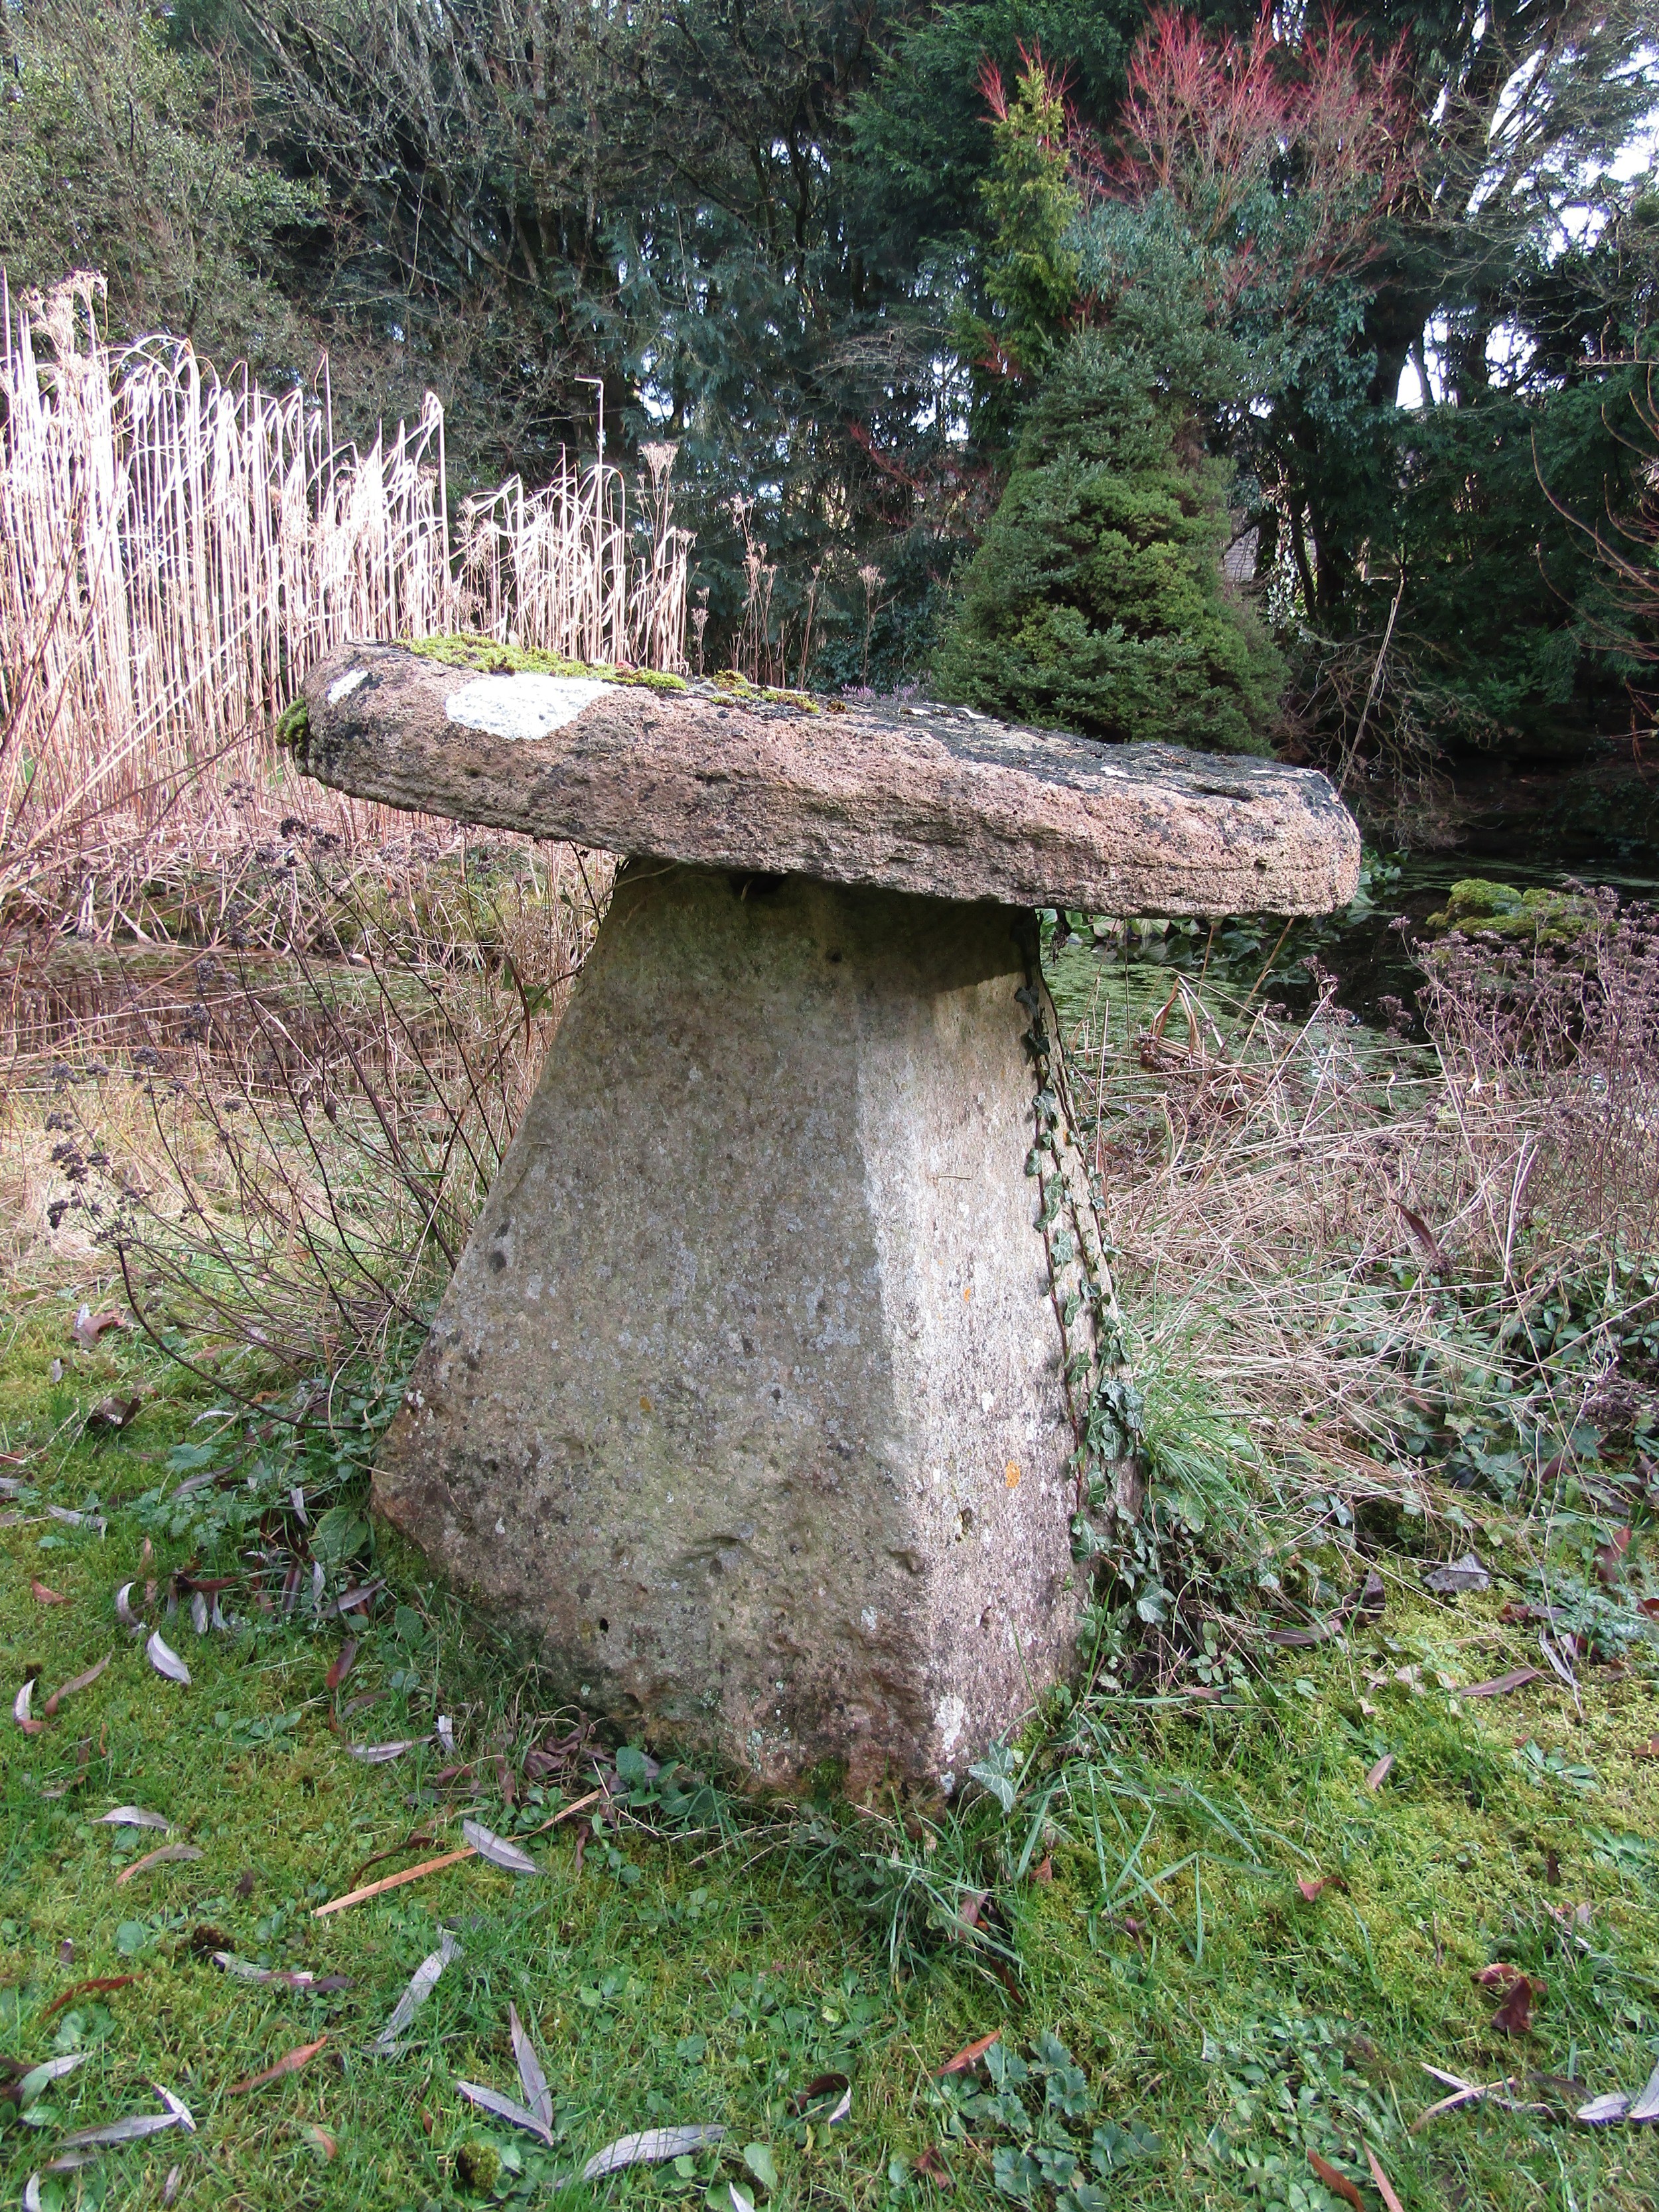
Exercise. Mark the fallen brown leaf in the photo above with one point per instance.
(933, 2165)
(1384, 2188)
(42, 1596)
(970, 2053)
(1468, 1573)
(1379, 1774)
(322, 2142)
(821, 2085)
(1514, 2015)
(1439, 1262)
(1465, 2093)
(341, 1665)
(1044, 1869)
(419, 1841)
(114, 1412)
(87, 1989)
(1610, 1556)
(1571, 1916)
(87, 1326)
(1648, 1750)
(1338, 2182)
(167, 1854)
(1312, 1889)
(289, 2062)
(77, 1682)
(1500, 1685)
(431, 1866)
(1500, 1975)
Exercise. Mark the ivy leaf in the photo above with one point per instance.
(995, 1774)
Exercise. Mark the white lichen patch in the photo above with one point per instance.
(344, 686)
(524, 705)
(950, 1717)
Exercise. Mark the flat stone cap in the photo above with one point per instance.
(924, 799)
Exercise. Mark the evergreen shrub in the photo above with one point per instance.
(1096, 601)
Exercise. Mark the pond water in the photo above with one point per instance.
(1528, 832)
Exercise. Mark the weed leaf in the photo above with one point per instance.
(757, 2157)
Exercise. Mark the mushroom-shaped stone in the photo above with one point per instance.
(760, 1397)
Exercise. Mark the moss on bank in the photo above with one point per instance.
(1536, 917)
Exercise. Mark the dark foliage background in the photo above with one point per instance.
(772, 232)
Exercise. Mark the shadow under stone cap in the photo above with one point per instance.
(930, 799)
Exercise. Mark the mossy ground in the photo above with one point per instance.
(711, 1976)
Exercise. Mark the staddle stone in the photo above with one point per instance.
(749, 1402)
(745, 1397)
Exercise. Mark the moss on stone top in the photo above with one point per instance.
(736, 684)
(493, 659)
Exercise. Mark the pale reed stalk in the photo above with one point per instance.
(176, 551)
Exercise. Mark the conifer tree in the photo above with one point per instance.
(1096, 600)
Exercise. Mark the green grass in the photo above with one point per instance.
(708, 1974)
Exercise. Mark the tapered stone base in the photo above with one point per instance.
(745, 1400)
